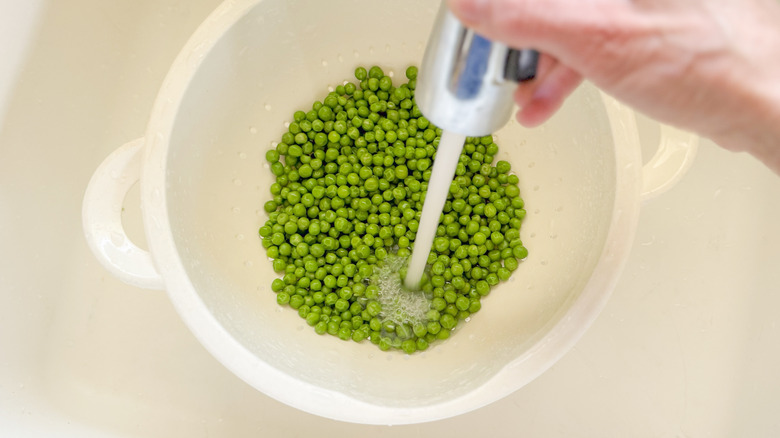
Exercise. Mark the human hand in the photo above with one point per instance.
(711, 66)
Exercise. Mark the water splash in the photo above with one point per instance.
(399, 305)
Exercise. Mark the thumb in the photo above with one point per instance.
(558, 27)
(471, 13)
(514, 22)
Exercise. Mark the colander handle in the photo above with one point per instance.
(102, 218)
(674, 156)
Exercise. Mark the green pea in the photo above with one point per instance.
(375, 72)
(385, 83)
(361, 73)
(462, 303)
(520, 252)
(282, 298)
(448, 322)
(345, 333)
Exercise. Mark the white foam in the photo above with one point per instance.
(399, 305)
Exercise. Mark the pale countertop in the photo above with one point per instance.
(688, 346)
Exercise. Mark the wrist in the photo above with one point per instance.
(754, 84)
(758, 128)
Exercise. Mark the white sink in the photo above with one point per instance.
(687, 346)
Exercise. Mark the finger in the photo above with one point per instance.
(511, 21)
(555, 26)
(548, 95)
(525, 90)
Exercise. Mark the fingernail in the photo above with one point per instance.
(469, 11)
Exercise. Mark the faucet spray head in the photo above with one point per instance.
(465, 83)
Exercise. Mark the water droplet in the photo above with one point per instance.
(248, 263)
(536, 188)
(356, 54)
(268, 107)
(242, 155)
(543, 262)
(391, 73)
(330, 88)
(371, 50)
(286, 124)
(237, 181)
(387, 47)
(236, 210)
(648, 242)
(156, 196)
(340, 58)
(324, 63)
(531, 165)
(117, 239)
(194, 57)
(239, 236)
(252, 130)
(159, 140)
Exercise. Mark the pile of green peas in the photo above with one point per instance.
(351, 177)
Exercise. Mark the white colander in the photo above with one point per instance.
(204, 181)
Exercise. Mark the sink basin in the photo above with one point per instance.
(687, 345)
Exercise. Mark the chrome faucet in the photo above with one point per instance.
(466, 82)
